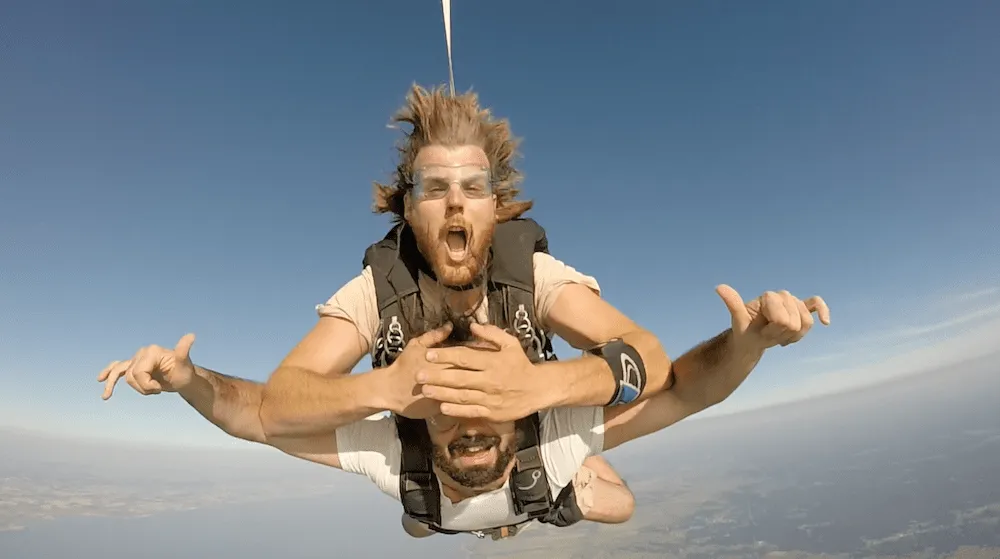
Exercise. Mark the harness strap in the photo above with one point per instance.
(418, 485)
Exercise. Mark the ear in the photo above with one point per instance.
(407, 205)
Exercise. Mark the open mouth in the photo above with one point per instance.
(474, 455)
(474, 451)
(457, 241)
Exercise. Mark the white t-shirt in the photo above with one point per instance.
(567, 437)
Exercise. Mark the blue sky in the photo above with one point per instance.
(170, 167)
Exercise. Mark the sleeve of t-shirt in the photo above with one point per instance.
(570, 435)
(371, 448)
(551, 275)
(356, 302)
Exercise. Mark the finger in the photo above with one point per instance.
(773, 309)
(455, 395)
(465, 412)
(737, 308)
(183, 349)
(805, 318)
(454, 378)
(141, 372)
(103, 375)
(790, 303)
(817, 305)
(114, 373)
(494, 334)
(434, 337)
(462, 357)
(131, 381)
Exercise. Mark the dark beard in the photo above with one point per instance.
(478, 476)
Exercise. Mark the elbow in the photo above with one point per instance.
(657, 363)
(273, 422)
(628, 507)
(625, 507)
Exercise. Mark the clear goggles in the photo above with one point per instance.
(435, 181)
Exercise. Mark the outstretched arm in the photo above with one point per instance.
(712, 371)
(232, 404)
(709, 373)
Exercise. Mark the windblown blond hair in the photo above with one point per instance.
(437, 118)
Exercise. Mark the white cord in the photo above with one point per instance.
(446, 8)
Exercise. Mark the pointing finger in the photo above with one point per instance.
(112, 374)
(103, 375)
(817, 305)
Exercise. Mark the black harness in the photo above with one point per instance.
(396, 265)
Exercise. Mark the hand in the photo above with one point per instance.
(494, 385)
(402, 391)
(153, 369)
(773, 318)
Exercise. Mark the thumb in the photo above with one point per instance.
(737, 308)
(494, 334)
(435, 336)
(183, 349)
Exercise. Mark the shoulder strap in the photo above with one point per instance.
(395, 285)
(511, 289)
(528, 484)
(418, 485)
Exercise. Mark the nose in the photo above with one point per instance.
(475, 427)
(455, 197)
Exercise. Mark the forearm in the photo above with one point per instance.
(589, 381)
(231, 404)
(297, 402)
(713, 370)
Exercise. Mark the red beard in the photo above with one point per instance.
(433, 246)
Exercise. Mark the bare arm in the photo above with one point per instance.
(232, 405)
(229, 403)
(706, 375)
(610, 500)
(584, 320)
(311, 391)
